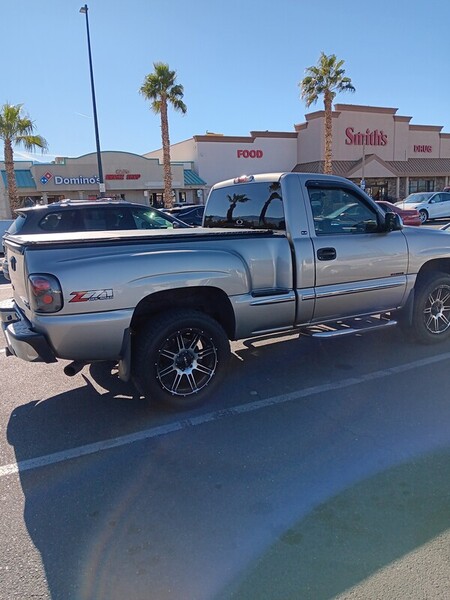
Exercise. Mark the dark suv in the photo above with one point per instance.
(96, 215)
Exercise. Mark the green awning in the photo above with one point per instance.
(191, 178)
(24, 178)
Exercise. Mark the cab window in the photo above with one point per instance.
(341, 211)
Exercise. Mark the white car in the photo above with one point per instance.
(431, 205)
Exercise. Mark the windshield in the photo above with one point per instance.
(412, 198)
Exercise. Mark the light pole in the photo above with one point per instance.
(84, 9)
(363, 181)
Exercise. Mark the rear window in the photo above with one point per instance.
(17, 225)
(252, 205)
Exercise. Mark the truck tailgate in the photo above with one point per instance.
(16, 263)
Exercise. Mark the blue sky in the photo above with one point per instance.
(239, 61)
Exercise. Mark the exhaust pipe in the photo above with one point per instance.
(73, 368)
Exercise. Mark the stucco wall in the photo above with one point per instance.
(310, 141)
(424, 142)
(226, 159)
(378, 125)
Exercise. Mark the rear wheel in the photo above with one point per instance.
(431, 314)
(179, 358)
(423, 215)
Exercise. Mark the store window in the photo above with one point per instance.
(421, 185)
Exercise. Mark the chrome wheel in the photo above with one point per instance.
(437, 310)
(186, 362)
(179, 358)
(423, 216)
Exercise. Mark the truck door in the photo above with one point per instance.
(359, 269)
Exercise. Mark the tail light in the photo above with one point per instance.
(45, 293)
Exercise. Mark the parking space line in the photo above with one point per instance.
(162, 430)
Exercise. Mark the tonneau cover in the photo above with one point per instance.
(75, 238)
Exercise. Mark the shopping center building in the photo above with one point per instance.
(373, 146)
(128, 176)
(393, 156)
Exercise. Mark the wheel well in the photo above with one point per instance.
(208, 300)
(438, 265)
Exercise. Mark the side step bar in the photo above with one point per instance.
(349, 326)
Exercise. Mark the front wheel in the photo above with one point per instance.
(423, 216)
(431, 314)
(179, 358)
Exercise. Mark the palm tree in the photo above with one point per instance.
(327, 79)
(16, 129)
(160, 88)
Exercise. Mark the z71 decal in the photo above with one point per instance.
(88, 295)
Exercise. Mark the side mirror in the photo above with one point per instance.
(393, 222)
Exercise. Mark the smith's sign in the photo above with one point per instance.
(367, 138)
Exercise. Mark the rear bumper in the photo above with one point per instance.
(80, 337)
(21, 340)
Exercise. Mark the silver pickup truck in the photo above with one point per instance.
(276, 252)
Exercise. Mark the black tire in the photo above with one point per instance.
(423, 216)
(431, 313)
(179, 358)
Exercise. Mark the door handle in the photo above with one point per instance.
(326, 253)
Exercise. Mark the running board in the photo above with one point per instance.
(349, 327)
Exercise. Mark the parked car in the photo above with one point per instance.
(431, 205)
(409, 216)
(191, 214)
(96, 215)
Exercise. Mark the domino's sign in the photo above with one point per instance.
(79, 180)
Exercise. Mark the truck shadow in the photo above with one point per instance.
(104, 407)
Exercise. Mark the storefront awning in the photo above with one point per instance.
(191, 178)
(413, 167)
(24, 178)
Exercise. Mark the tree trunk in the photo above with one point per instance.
(168, 200)
(328, 166)
(13, 195)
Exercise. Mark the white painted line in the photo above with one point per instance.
(147, 434)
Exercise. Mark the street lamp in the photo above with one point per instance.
(363, 181)
(84, 9)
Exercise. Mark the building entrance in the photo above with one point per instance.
(377, 189)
